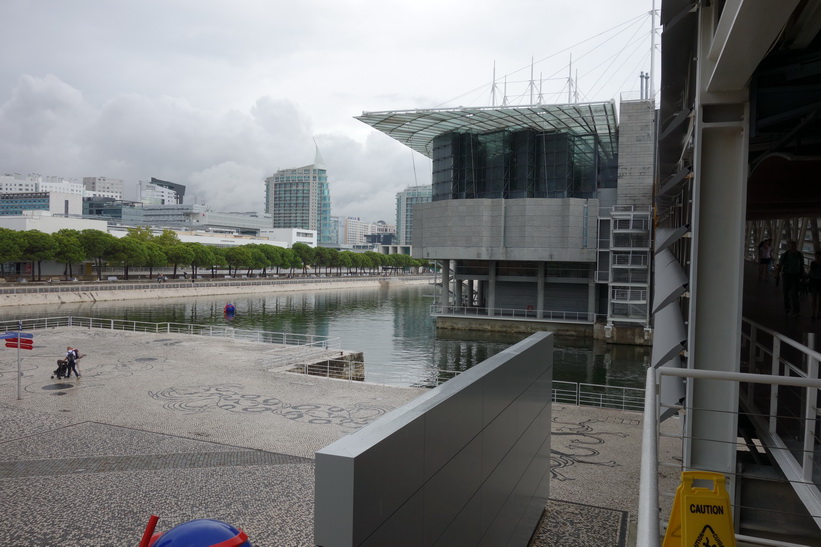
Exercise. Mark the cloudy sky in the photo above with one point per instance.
(218, 95)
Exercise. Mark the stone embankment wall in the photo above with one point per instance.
(112, 291)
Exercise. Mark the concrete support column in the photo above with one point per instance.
(471, 290)
(719, 196)
(445, 285)
(540, 291)
(491, 287)
(457, 292)
(591, 291)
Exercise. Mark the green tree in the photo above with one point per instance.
(238, 257)
(348, 260)
(289, 260)
(322, 257)
(38, 246)
(168, 238)
(154, 257)
(272, 257)
(11, 246)
(377, 260)
(178, 254)
(140, 233)
(97, 245)
(127, 252)
(306, 254)
(203, 257)
(258, 259)
(220, 260)
(69, 249)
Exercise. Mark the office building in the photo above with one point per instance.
(406, 200)
(300, 198)
(161, 192)
(55, 203)
(103, 187)
(527, 218)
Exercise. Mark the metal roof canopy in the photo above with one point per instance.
(417, 128)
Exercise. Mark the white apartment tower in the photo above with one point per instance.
(406, 200)
(300, 198)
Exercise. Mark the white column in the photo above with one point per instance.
(591, 291)
(446, 285)
(491, 287)
(716, 286)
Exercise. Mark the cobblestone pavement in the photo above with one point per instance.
(187, 427)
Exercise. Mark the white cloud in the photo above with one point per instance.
(217, 95)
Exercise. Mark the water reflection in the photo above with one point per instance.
(391, 326)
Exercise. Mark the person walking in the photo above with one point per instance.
(791, 268)
(71, 359)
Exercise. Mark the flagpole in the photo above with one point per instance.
(19, 372)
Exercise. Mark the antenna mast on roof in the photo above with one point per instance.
(652, 51)
(493, 87)
(570, 81)
(532, 83)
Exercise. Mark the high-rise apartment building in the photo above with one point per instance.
(103, 187)
(406, 200)
(300, 198)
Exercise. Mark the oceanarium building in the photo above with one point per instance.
(538, 214)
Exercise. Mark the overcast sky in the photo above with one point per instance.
(218, 95)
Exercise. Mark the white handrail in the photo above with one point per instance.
(648, 521)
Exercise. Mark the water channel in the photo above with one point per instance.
(391, 326)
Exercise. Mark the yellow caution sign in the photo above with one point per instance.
(701, 517)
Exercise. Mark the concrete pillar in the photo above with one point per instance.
(445, 285)
(471, 290)
(591, 291)
(457, 291)
(491, 287)
(716, 285)
(540, 291)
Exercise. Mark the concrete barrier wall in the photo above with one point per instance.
(31, 294)
(465, 464)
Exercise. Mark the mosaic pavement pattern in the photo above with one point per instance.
(153, 428)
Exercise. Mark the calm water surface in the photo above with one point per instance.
(391, 326)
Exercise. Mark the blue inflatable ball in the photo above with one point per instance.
(203, 533)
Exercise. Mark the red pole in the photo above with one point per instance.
(149, 530)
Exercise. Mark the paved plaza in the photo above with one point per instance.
(188, 427)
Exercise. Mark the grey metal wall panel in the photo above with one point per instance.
(451, 425)
(566, 296)
(539, 229)
(464, 462)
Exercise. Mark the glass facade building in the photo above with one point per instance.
(520, 164)
(301, 198)
(522, 209)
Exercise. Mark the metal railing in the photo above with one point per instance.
(580, 394)
(529, 313)
(266, 337)
(779, 396)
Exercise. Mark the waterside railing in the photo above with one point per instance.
(527, 314)
(221, 331)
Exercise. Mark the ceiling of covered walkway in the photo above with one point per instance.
(775, 48)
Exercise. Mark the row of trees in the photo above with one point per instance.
(141, 248)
